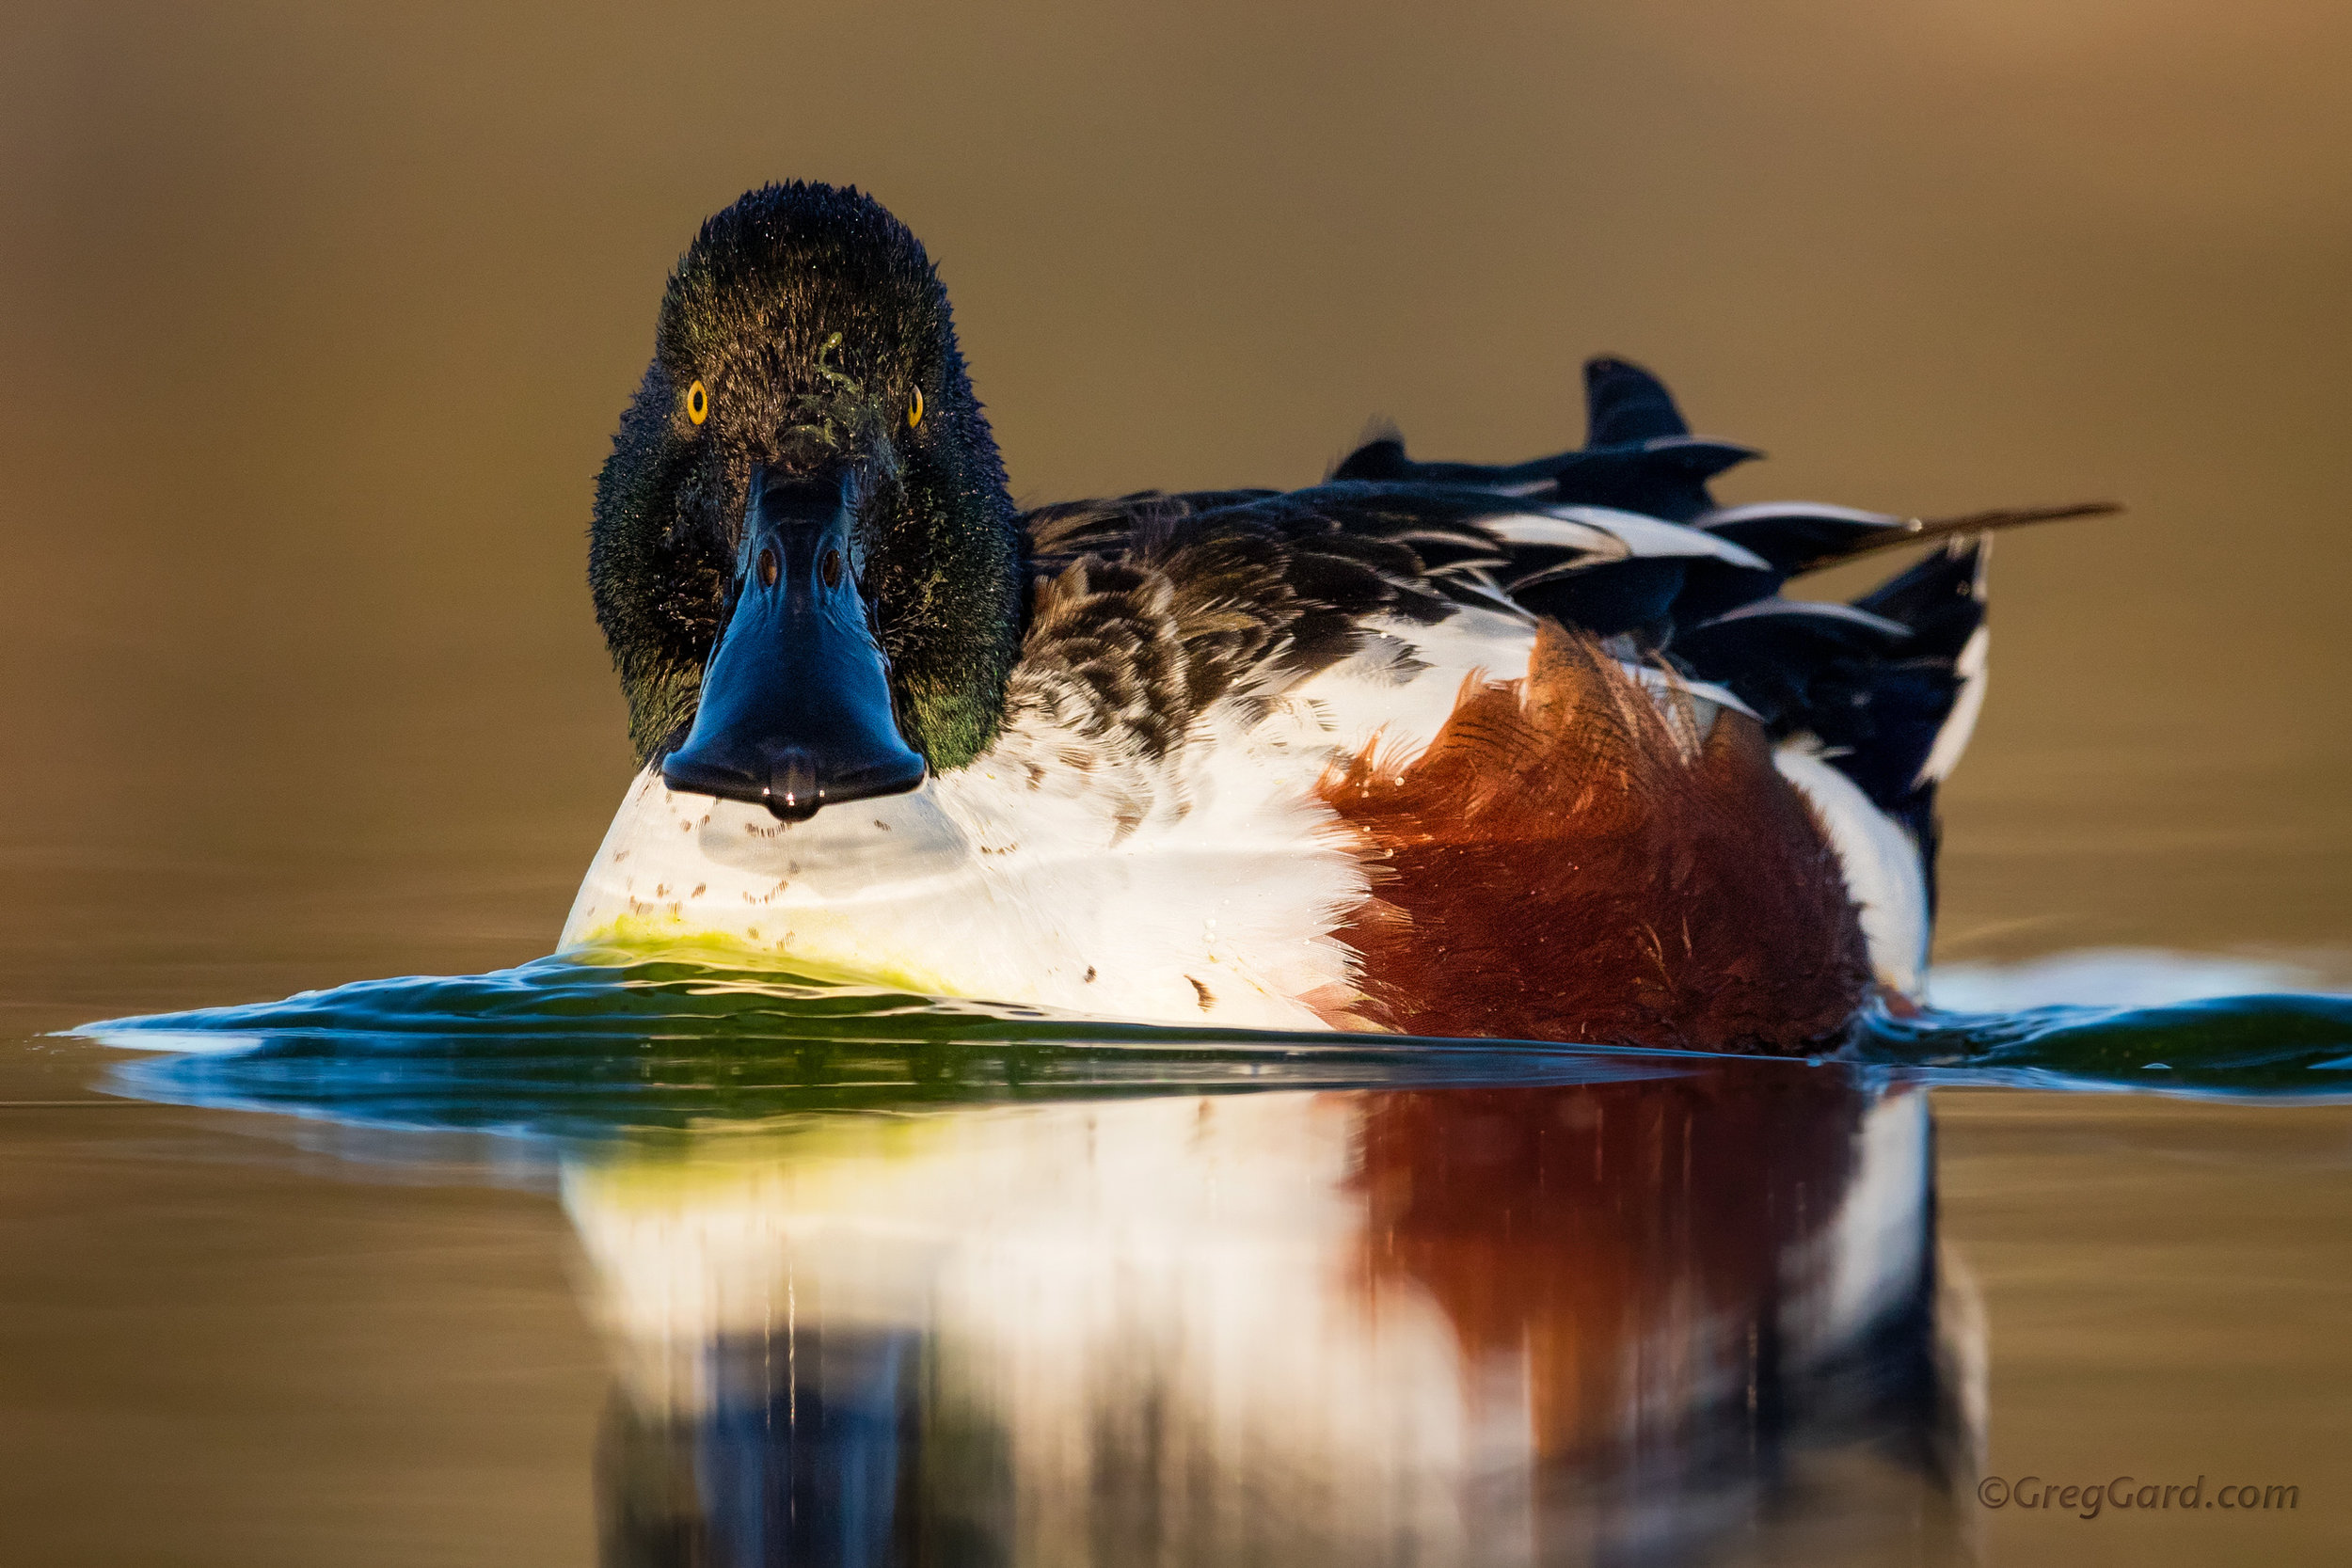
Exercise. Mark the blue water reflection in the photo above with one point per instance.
(893, 1280)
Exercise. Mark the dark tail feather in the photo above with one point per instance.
(1893, 717)
(1624, 404)
(1787, 657)
(1903, 725)
(1638, 456)
(1888, 684)
(1940, 598)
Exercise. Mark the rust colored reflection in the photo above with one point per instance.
(1623, 1319)
(1638, 1244)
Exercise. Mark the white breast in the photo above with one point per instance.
(976, 886)
(1205, 885)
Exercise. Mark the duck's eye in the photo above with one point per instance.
(697, 403)
(914, 409)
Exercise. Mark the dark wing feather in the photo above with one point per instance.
(1253, 590)
(1638, 455)
(1784, 656)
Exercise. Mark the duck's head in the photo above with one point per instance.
(804, 559)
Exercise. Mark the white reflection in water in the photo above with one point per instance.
(1494, 1325)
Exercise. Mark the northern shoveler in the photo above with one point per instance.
(1535, 751)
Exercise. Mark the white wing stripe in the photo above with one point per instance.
(1761, 510)
(1822, 608)
(1656, 536)
(1559, 532)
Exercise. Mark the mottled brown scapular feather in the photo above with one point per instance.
(1565, 863)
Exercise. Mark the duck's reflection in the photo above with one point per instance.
(1638, 1319)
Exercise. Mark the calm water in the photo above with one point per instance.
(317, 323)
(647, 1263)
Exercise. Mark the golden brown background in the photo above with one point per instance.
(314, 323)
(318, 319)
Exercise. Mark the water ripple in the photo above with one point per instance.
(576, 1048)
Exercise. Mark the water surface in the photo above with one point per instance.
(880, 1278)
(318, 322)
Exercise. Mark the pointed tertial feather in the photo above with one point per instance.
(1792, 534)
(1602, 570)
(1624, 403)
(1640, 534)
(1454, 530)
(1638, 453)
(1665, 476)
(1653, 566)
(1804, 536)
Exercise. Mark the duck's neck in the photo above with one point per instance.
(951, 610)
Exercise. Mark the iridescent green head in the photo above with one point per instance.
(804, 559)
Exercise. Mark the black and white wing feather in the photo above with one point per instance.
(1158, 604)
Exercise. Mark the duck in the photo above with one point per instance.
(1537, 750)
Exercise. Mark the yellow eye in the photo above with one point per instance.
(914, 409)
(697, 403)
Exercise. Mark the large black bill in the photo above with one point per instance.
(795, 709)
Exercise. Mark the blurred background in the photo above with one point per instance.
(316, 322)
(319, 320)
